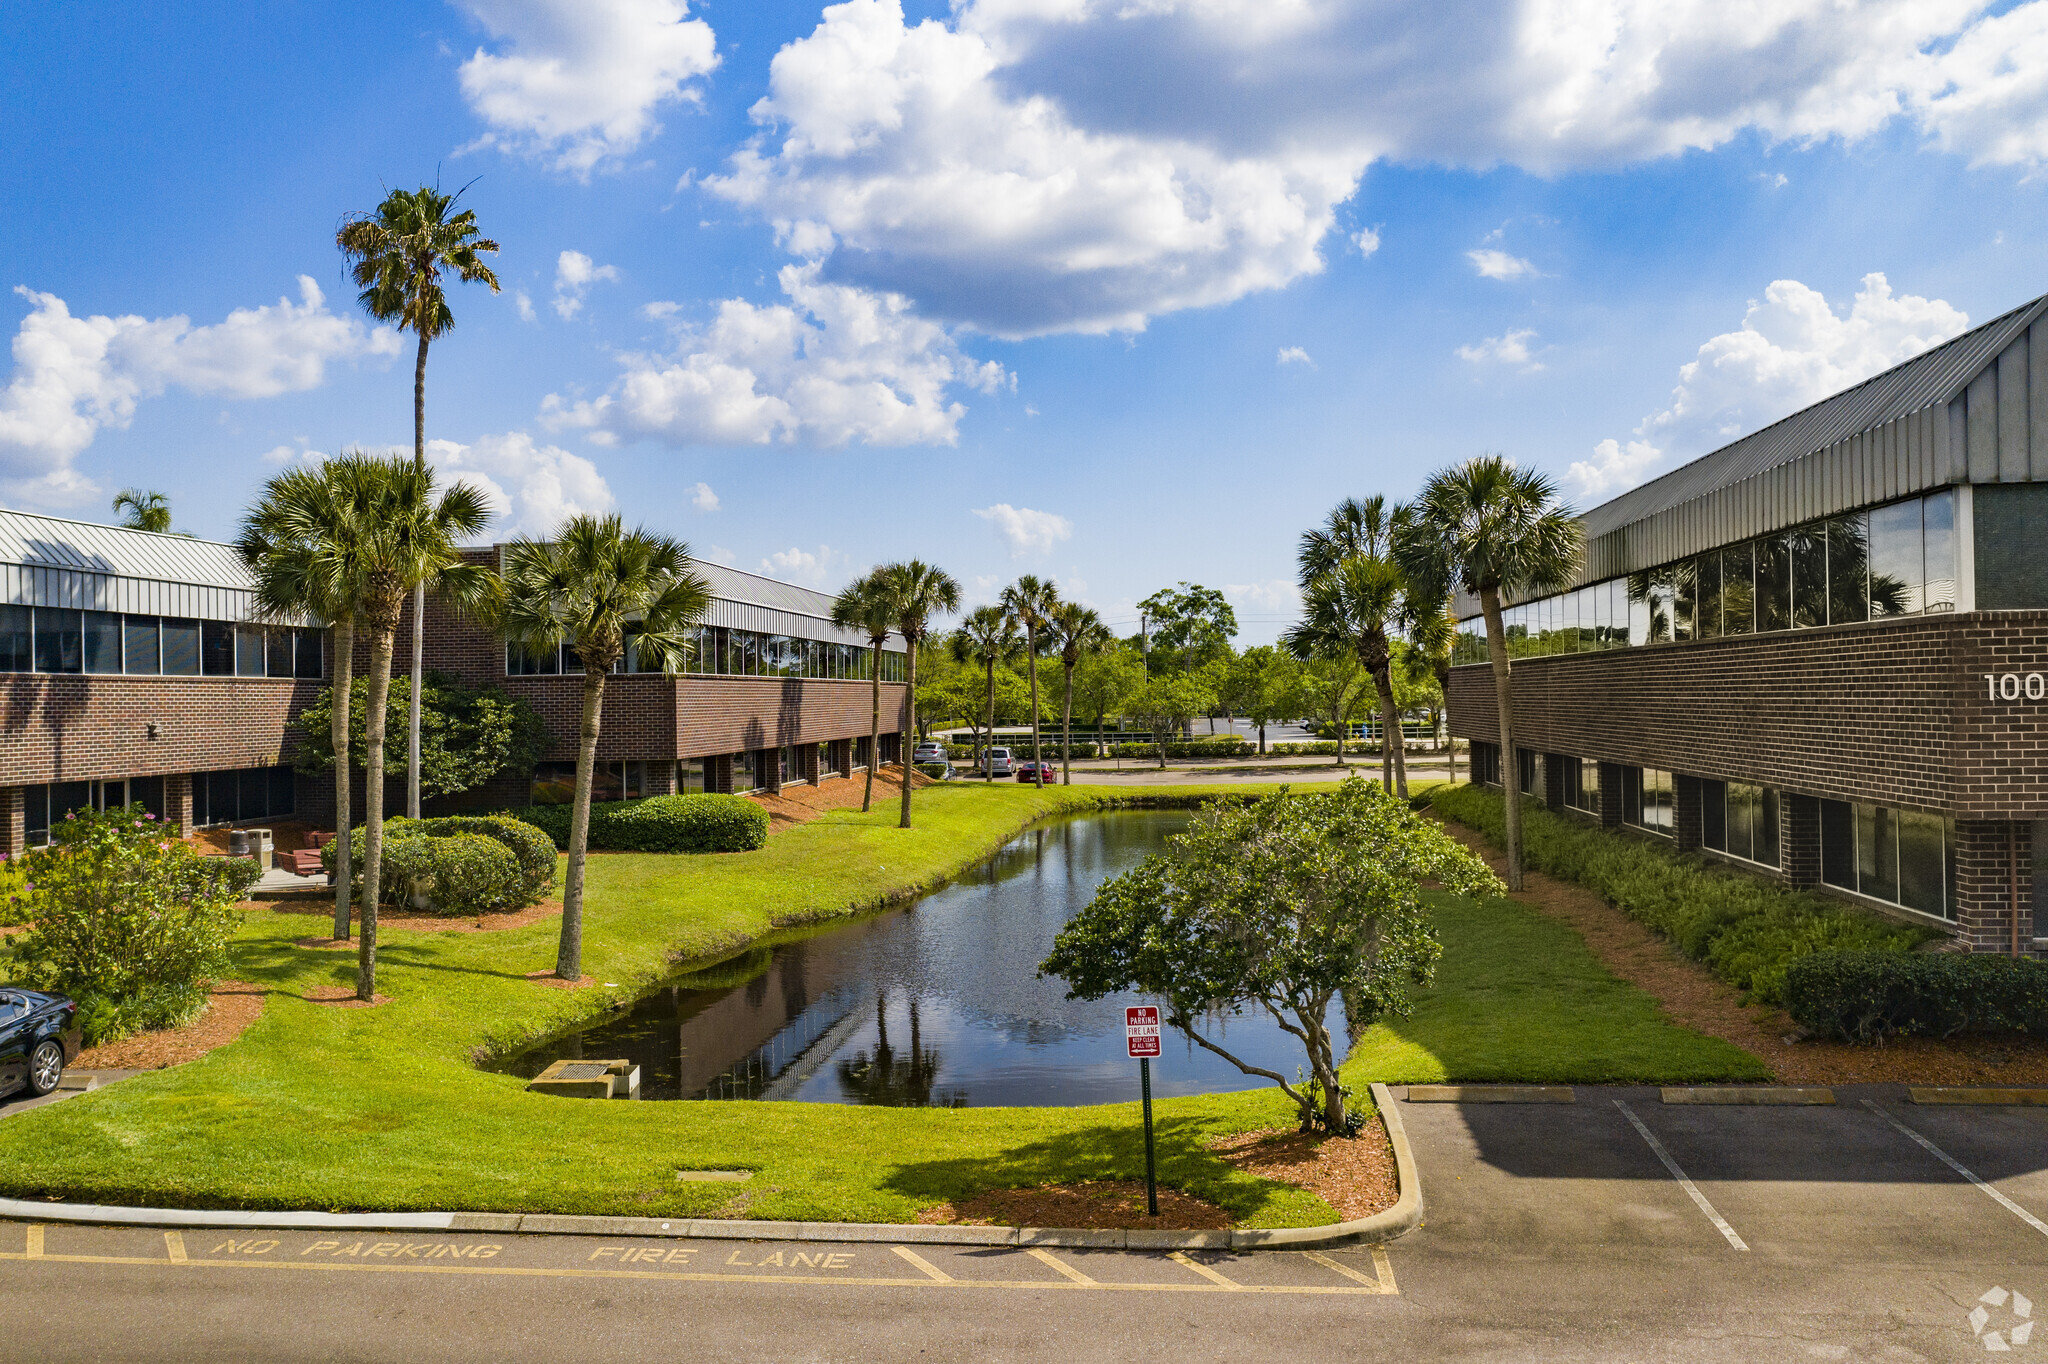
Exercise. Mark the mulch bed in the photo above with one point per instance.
(1694, 998)
(232, 1006)
(1095, 1204)
(801, 804)
(1354, 1175)
(411, 923)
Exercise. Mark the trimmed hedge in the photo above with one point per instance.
(1747, 930)
(1187, 748)
(1867, 996)
(1051, 751)
(532, 850)
(464, 864)
(700, 823)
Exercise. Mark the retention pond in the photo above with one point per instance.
(937, 1003)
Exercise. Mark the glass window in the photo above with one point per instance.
(1740, 815)
(102, 631)
(1809, 576)
(1938, 537)
(554, 783)
(572, 662)
(690, 776)
(249, 652)
(1877, 852)
(1922, 849)
(745, 772)
(1651, 805)
(60, 646)
(1529, 768)
(632, 780)
(222, 796)
(148, 792)
(524, 661)
(826, 767)
(307, 653)
(68, 798)
(1707, 596)
(1685, 599)
(141, 648)
(277, 648)
(35, 802)
(181, 647)
(1838, 844)
(217, 649)
(1632, 795)
(1766, 839)
(17, 639)
(1738, 590)
(1848, 570)
(1714, 819)
(1897, 560)
(1773, 583)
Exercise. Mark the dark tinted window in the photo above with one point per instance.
(148, 792)
(1838, 844)
(1773, 584)
(139, 644)
(222, 789)
(1714, 817)
(181, 648)
(249, 652)
(102, 642)
(1877, 851)
(1922, 848)
(521, 661)
(68, 797)
(60, 647)
(36, 814)
(1738, 590)
(278, 653)
(306, 647)
(1809, 576)
(282, 792)
(1707, 596)
(1767, 828)
(217, 649)
(1848, 570)
(17, 639)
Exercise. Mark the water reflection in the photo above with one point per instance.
(936, 1004)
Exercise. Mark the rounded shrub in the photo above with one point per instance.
(531, 848)
(457, 870)
(1865, 996)
(701, 823)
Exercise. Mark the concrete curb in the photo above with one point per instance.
(1403, 1217)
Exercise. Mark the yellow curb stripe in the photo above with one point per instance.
(1380, 1263)
(1047, 1257)
(1211, 1275)
(931, 1270)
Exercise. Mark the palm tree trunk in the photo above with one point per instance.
(373, 810)
(988, 764)
(867, 797)
(1504, 702)
(909, 728)
(1067, 729)
(341, 696)
(1391, 765)
(569, 956)
(1031, 660)
(419, 599)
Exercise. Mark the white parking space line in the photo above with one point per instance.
(1684, 1182)
(1945, 1158)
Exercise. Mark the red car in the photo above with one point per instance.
(1043, 774)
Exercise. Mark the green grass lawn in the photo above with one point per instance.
(1519, 996)
(384, 1108)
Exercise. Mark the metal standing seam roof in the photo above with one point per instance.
(34, 541)
(1933, 377)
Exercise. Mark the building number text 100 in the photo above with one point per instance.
(2011, 686)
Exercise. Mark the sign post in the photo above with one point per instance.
(1141, 1040)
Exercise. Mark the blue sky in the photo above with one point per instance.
(1121, 293)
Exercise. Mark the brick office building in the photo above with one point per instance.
(1820, 652)
(130, 671)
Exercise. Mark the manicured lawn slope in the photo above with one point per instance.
(1519, 996)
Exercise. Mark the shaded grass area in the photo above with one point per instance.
(1519, 996)
(325, 1107)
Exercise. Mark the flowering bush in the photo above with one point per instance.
(129, 921)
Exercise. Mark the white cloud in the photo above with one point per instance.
(703, 499)
(281, 455)
(531, 487)
(661, 310)
(1509, 348)
(575, 82)
(1277, 597)
(842, 364)
(1293, 355)
(74, 375)
(718, 554)
(1026, 531)
(574, 274)
(1499, 264)
(524, 301)
(1792, 351)
(1367, 240)
(1035, 166)
(1774, 180)
(800, 566)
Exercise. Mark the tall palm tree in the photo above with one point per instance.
(1030, 601)
(399, 252)
(144, 510)
(407, 537)
(1355, 606)
(1354, 526)
(1074, 631)
(865, 605)
(987, 636)
(918, 591)
(304, 543)
(594, 583)
(1490, 529)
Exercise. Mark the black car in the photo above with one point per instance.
(38, 1038)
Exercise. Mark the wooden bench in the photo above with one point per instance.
(304, 862)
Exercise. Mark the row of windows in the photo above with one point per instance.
(1902, 857)
(217, 798)
(47, 639)
(555, 783)
(734, 653)
(1896, 560)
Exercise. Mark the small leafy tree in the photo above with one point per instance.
(1190, 624)
(1105, 680)
(130, 921)
(1262, 684)
(467, 736)
(1284, 905)
(1166, 703)
(1332, 689)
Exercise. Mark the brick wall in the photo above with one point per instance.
(96, 727)
(1893, 713)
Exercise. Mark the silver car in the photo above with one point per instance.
(997, 762)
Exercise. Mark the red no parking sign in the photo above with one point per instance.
(1141, 1031)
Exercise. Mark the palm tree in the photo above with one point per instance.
(1490, 529)
(865, 605)
(987, 636)
(1354, 606)
(917, 591)
(1073, 630)
(1352, 527)
(304, 543)
(399, 253)
(1029, 602)
(144, 510)
(594, 584)
(403, 536)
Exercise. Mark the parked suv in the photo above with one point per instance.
(997, 762)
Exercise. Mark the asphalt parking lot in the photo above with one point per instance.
(1616, 1227)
